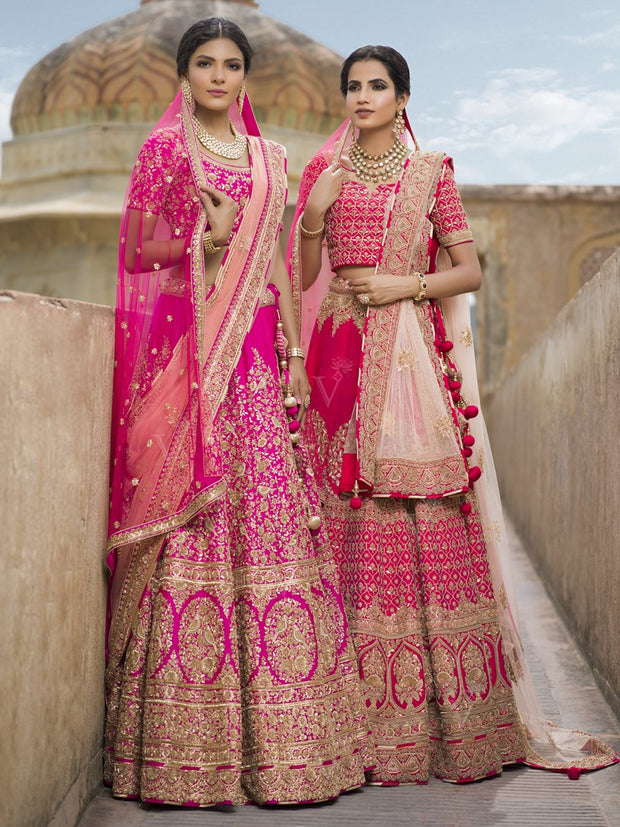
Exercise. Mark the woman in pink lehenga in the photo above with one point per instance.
(400, 451)
(231, 675)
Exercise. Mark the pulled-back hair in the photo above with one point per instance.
(211, 28)
(394, 62)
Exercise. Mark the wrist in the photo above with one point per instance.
(312, 219)
(219, 240)
(295, 352)
(421, 286)
(209, 244)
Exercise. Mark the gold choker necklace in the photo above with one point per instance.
(376, 168)
(232, 151)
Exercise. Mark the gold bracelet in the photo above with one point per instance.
(207, 244)
(421, 294)
(295, 351)
(310, 233)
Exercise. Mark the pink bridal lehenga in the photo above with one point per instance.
(231, 675)
(406, 475)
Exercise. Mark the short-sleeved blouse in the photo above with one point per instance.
(163, 185)
(354, 223)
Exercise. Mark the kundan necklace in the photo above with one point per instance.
(232, 151)
(376, 168)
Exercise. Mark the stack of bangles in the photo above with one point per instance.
(310, 233)
(295, 351)
(207, 244)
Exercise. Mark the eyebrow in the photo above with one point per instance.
(374, 80)
(208, 57)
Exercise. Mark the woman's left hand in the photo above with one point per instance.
(299, 385)
(383, 288)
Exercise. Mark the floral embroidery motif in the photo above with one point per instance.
(406, 360)
(466, 337)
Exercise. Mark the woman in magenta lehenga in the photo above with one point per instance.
(231, 675)
(400, 451)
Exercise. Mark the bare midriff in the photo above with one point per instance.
(353, 273)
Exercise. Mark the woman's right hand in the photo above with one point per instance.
(325, 191)
(221, 211)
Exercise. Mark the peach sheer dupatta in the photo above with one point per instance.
(177, 343)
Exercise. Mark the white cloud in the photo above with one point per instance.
(530, 110)
(608, 35)
(11, 52)
(7, 93)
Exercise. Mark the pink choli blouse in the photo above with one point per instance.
(163, 183)
(354, 222)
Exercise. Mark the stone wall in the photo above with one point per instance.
(55, 375)
(538, 246)
(555, 428)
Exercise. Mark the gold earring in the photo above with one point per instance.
(186, 90)
(241, 98)
(399, 124)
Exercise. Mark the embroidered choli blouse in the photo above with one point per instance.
(354, 222)
(163, 183)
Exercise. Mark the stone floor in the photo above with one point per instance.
(521, 797)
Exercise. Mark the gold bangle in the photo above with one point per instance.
(207, 244)
(295, 351)
(421, 294)
(310, 233)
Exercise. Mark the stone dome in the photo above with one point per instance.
(124, 71)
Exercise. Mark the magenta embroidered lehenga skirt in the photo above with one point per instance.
(418, 593)
(239, 681)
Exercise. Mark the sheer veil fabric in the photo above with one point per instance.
(549, 747)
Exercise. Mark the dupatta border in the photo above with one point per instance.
(405, 249)
(251, 253)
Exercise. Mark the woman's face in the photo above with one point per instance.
(371, 98)
(216, 73)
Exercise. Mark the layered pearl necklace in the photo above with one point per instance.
(376, 168)
(232, 151)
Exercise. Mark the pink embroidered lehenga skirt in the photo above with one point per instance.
(239, 681)
(415, 581)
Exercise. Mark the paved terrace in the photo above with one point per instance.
(521, 797)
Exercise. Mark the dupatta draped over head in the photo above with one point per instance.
(406, 436)
(177, 343)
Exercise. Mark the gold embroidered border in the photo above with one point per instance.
(438, 478)
(405, 243)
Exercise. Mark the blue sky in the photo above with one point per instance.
(517, 93)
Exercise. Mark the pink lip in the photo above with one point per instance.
(218, 93)
(363, 111)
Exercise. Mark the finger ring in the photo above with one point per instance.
(306, 400)
(364, 298)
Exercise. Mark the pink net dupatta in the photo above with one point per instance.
(549, 747)
(412, 399)
(177, 343)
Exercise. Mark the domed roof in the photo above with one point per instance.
(125, 71)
